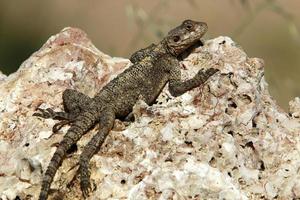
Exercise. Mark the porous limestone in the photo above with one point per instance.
(227, 139)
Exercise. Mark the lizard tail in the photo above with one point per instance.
(82, 124)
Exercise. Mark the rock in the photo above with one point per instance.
(227, 139)
(2, 77)
(295, 108)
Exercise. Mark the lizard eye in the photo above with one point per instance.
(189, 26)
(176, 38)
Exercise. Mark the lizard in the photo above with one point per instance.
(152, 68)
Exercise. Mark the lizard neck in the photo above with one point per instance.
(162, 49)
(166, 48)
(157, 52)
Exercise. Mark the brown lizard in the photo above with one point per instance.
(153, 67)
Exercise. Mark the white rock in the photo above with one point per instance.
(227, 139)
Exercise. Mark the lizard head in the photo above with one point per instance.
(182, 37)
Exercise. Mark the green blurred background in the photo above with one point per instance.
(268, 29)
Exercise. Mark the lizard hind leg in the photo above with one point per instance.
(83, 123)
(106, 123)
(74, 102)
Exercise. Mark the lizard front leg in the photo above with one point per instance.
(74, 102)
(178, 87)
(106, 123)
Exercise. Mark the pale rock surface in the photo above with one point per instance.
(227, 139)
(2, 77)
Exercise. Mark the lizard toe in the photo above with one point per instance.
(59, 125)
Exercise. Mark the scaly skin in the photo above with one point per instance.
(153, 67)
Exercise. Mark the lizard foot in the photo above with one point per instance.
(211, 71)
(202, 75)
(85, 183)
(51, 114)
(59, 125)
(86, 188)
(44, 113)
